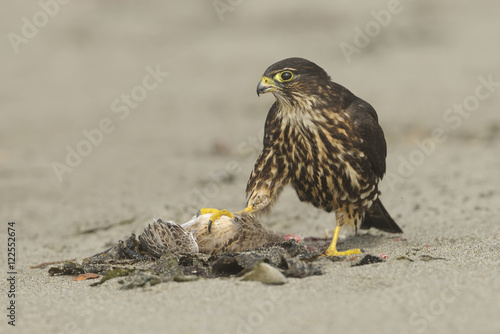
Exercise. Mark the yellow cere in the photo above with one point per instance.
(267, 81)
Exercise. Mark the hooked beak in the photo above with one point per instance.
(266, 85)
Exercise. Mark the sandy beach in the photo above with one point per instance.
(116, 113)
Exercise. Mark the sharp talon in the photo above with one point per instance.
(210, 225)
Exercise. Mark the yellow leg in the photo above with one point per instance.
(332, 249)
(248, 209)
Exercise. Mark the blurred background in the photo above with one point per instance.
(116, 112)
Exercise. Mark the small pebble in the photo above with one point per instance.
(264, 273)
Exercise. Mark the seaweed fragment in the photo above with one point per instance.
(67, 268)
(124, 252)
(368, 259)
(114, 273)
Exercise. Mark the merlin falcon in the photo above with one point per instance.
(324, 141)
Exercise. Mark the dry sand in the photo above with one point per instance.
(191, 141)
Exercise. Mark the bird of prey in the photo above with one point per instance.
(324, 141)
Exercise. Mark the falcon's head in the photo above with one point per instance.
(295, 81)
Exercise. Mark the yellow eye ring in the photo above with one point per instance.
(285, 76)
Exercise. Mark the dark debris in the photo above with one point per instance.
(368, 259)
(133, 267)
(67, 268)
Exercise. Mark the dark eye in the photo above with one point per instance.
(286, 76)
